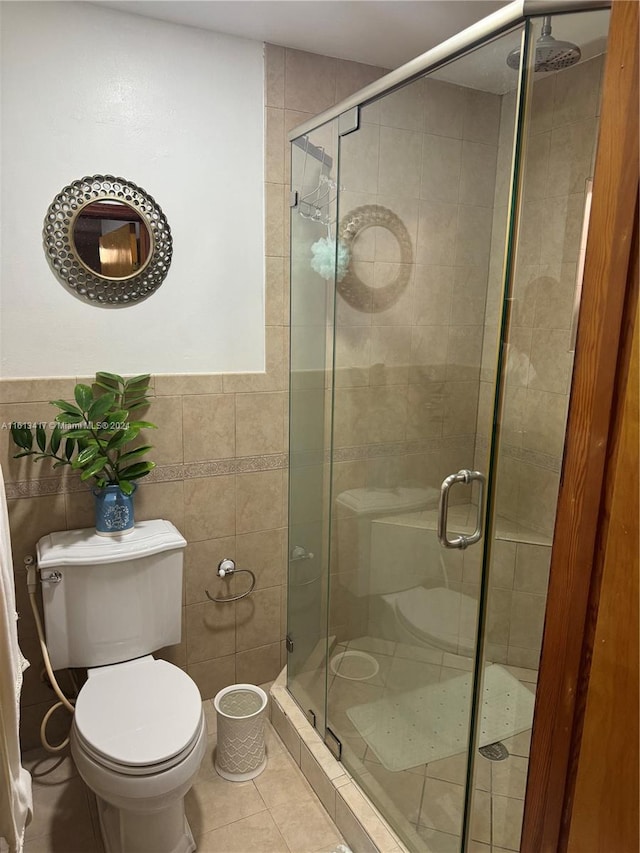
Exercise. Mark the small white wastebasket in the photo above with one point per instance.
(240, 750)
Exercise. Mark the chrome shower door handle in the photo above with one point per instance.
(462, 541)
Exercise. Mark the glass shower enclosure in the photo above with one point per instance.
(438, 221)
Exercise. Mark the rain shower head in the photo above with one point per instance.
(551, 54)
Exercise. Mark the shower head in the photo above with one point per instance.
(551, 54)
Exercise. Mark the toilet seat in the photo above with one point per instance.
(439, 617)
(138, 718)
(135, 770)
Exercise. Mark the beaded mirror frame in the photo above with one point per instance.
(65, 261)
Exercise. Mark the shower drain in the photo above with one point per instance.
(494, 751)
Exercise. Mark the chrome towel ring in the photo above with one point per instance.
(226, 568)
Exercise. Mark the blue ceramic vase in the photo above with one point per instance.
(114, 511)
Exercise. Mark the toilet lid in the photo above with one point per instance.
(138, 713)
(442, 617)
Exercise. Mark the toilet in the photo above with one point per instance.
(434, 617)
(139, 734)
(388, 539)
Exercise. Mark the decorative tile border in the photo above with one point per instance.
(359, 822)
(162, 474)
(534, 457)
(401, 448)
(36, 488)
(166, 474)
(359, 452)
(530, 457)
(271, 462)
(235, 465)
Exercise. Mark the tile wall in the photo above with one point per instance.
(410, 403)
(221, 479)
(408, 376)
(559, 157)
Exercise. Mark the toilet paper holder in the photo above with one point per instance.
(227, 567)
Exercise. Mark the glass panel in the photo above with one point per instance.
(422, 220)
(559, 141)
(313, 176)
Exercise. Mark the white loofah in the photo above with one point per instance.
(324, 258)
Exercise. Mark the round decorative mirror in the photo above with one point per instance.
(107, 240)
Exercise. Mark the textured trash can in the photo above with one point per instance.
(240, 751)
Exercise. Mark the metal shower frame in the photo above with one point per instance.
(493, 25)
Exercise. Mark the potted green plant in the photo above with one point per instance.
(96, 436)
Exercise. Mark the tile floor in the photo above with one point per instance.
(425, 803)
(277, 812)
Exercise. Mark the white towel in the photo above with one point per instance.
(15, 782)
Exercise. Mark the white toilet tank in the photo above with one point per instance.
(117, 598)
(367, 565)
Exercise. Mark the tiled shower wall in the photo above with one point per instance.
(407, 377)
(220, 449)
(559, 157)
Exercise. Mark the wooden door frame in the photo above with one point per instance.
(565, 649)
(601, 802)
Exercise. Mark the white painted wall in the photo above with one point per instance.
(177, 110)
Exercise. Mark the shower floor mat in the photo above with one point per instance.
(409, 729)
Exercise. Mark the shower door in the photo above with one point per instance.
(423, 213)
(314, 175)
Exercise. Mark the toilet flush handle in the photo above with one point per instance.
(52, 577)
